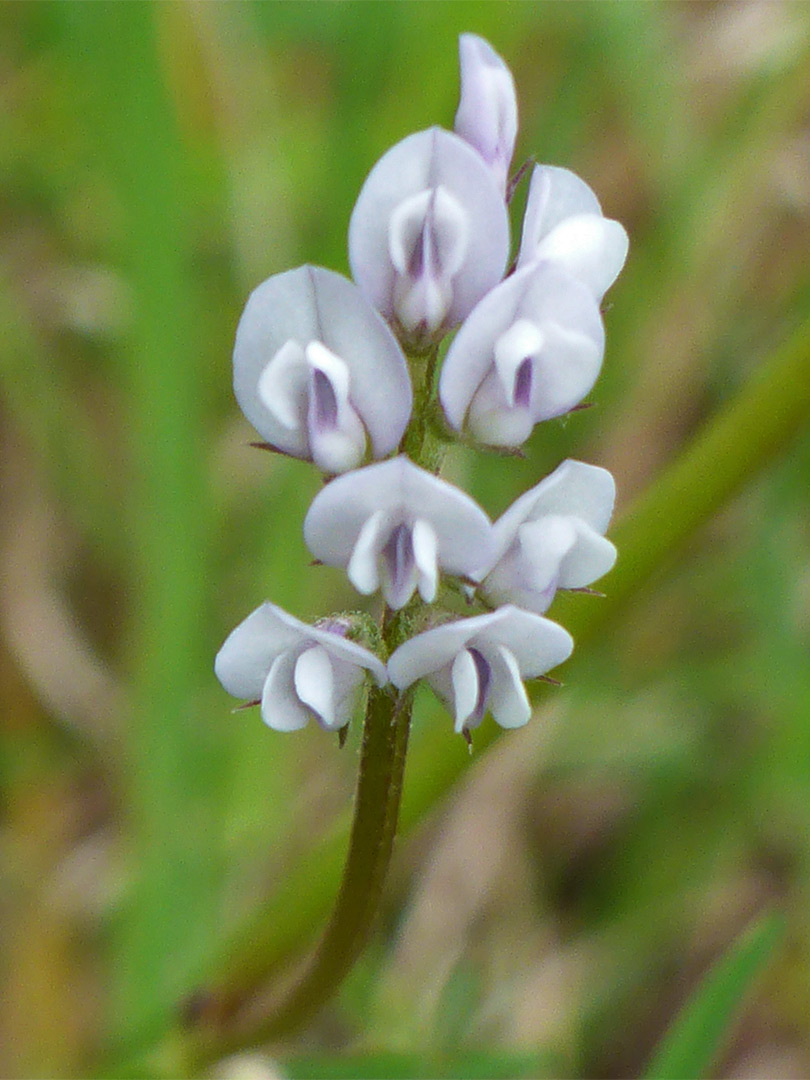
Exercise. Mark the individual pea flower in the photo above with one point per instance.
(294, 670)
(487, 116)
(318, 372)
(551, 538)
(429, 234)
(530, 350)
(393, 526)
(564, 224)
(479, 664)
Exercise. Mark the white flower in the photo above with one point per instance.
(478, 664)
(531, 350)
(429, 234)
(393, 526)
(296, 671)
(552, 538)
(316, 370)
(564, 224)
(487, 115)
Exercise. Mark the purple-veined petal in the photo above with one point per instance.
(564, 223)
(536, 643)
(429, 228)
(336, 526)
(337, 438)
(540, 308)
(487, 115)
(398, 571)
(274, 363)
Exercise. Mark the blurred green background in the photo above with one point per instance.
(561, 899)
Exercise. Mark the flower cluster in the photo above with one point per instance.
(339, 372)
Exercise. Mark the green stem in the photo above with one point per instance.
(379, 789)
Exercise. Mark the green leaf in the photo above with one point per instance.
(703, 1025)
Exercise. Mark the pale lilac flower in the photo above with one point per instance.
(318, 372)
(296, 671)
(564, 224)
(479, 664)
(429, 234)
(487, 116)
(552, 538)
(393, 526)
(530, 351)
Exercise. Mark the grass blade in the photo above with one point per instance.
(702, 1027)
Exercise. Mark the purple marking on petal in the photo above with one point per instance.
(324, 402)
(484, 673)
(398, 553)
(523, 383)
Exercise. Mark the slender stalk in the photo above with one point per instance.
(379, 789)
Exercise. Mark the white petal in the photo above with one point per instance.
(363, 567)
(308, 305)
(590, 557)
(508, 701)
(592, 249)
(574, 489)
(425, 553)
(404, 493)
(282, 386)
(493, 420)
(249, 652)
(464, 675)
(564, 372)
(315, 684)
(428, 160)
(245, 658)
(281, 707)
(529, 573)
(487, 111)
(554, 195)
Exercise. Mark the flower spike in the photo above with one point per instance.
(429, 234)
(552, 538)
(317, 372)
(393, 526)
(487, 116)
(478, 665)
(296, 671)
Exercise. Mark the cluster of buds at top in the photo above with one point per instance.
(324, 369)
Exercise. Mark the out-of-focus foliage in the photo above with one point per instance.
(158, 161)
